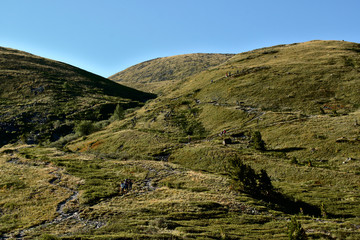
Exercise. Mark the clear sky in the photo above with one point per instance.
(107, 36)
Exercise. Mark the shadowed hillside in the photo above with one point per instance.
(36, 92)
(158, 74)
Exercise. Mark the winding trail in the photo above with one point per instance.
(149, 184)
(63, 215)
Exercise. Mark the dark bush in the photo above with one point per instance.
(296, 232)
(118, 113)
(259, 186)
(257, 141)
(247, 180)
(85, 128)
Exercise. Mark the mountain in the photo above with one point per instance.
(36, 93)
(262, 145)
(259, 89)
(296, 77)
(302, 98)
(158, 74)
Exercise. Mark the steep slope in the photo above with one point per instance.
(35, 92)
(158, 74)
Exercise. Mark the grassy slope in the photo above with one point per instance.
(275, 89)
(191, 196)
(299, 77)
(167, 200)
(41, 91)
(159, 74)
(302, 97)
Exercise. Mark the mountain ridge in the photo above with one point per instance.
(156, 74)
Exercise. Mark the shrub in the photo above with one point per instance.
(64, 140)
(247, 180)
(188, 124)
(159, 223)
(85, 128)
(294, 160)
(14, 184)
(296, 232)
(257, 141)
(162, 223)
(66, 86)
(118, 114)
(323, 210)
(48, 237)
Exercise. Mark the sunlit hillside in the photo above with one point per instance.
(159, 75)
(302, 98)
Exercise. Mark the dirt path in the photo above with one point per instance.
(147, 185)
(63, 213)
(154, 175)
(60, 209)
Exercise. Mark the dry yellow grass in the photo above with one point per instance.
(28, 195)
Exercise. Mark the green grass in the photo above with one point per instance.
(303, 100)
(27, 198)
(185, 204)
(298, 96)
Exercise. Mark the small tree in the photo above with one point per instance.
(66, 86)
(118, 113)
(265, 185)
(296, 232)
(323, 210)
(257, 141)
(247, 180)
(242, 175)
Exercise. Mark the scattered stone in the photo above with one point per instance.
(348, 160)
(342, 140)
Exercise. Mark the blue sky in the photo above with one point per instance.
(107, 36)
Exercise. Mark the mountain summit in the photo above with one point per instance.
(161, 73)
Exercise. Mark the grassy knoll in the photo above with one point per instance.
(301, 77)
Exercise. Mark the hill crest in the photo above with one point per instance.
(157, 74)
